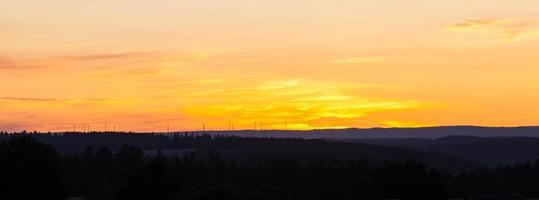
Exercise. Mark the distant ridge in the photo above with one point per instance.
(384, 133)
(435, 132)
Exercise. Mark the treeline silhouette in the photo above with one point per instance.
(34, 170)
(245, 148)
(489, 151)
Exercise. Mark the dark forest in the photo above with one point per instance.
(188, 166)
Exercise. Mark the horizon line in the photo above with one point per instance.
(273, 130)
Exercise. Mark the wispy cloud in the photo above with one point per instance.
(280, 84)
(508, 29)
(34, 99)
(241, 61)
(135, 72)
(8, 64)
(473, 23)
(56, 61)
(30, 99)
(106, 56)
(359, 60)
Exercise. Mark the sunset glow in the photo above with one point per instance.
(137, 65)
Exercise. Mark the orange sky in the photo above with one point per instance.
(141, 65)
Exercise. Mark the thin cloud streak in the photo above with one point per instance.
(509, 29)
(67, 60)
(30, 99)
(473, 22)
(106, 56)
(33, 99)
(359, 60)
(8, 64)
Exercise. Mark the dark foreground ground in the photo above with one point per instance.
(196, 166)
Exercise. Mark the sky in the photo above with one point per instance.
(139, 65)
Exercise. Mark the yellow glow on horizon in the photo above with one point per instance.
(398, 124)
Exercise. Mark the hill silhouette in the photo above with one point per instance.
(490, 151)
(385, 133)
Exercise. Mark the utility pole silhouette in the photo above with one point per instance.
(203, 127)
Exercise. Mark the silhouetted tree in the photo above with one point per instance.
(408, 180)
(151, 182)
(29, 170)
